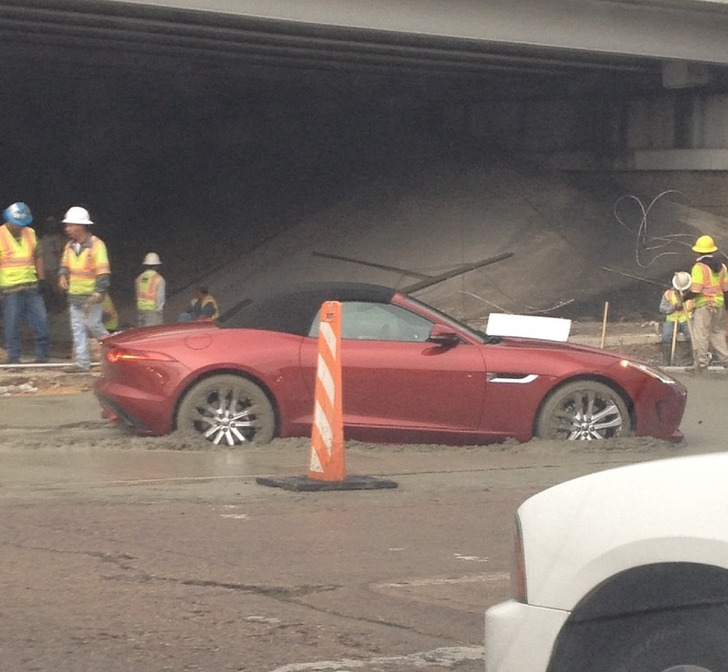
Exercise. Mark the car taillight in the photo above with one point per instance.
(518, 568)
(114, 355)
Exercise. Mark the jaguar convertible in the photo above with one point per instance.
(409, 374)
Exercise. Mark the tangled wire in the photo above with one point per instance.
(644, 242)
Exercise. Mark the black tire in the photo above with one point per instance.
(583, 410)
(686, 640)
(227, 409)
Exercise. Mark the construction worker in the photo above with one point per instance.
(678, 314)
(85, 274)
(21, 268)
(150, 292)
(202, 307)
(52, 240)
(708, 286)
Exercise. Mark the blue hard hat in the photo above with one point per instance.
(18, 214)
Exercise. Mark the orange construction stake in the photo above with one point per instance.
(327, 433)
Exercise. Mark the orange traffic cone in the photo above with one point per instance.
(326, 465)
(327, 434)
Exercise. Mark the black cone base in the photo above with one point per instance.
(304, 483)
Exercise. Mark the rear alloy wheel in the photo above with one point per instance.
(227, 409)
(584, 410)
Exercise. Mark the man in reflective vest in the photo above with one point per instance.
(709, 284)
(678, 314)
(150, 292)
(21, 267)
(202, 307)
(85, 274)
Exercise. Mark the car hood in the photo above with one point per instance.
(582, 531)
(557, 346)
(651, 484)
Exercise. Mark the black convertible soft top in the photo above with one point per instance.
(292, 309)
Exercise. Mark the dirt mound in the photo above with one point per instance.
(570, 245)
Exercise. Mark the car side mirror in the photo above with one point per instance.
(442, 336)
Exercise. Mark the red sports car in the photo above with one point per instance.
(410, 374)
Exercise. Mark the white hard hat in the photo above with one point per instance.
(681, 281)
(152, 259)
(77, 215)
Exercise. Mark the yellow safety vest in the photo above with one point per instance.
(708, 285)
(680, 314)
(216, 312)
(85, 266)
(17, 263)
(146, 290)
(205, 301)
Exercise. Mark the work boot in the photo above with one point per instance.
(666, 351)
(76, 368)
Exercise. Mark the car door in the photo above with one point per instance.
(392, 376)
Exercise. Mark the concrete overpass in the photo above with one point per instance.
(484, 38)
(636, 85)
(692, 30)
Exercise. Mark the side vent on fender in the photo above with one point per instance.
(517, 378)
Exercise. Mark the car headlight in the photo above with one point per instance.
(650, 371)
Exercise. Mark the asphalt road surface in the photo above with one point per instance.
(123, 553)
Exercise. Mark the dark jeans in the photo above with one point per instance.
(27, 303)
(668, 327)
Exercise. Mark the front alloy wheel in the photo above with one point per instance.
(584, 410)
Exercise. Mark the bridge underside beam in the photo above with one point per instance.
(691, 30)
(465, 38)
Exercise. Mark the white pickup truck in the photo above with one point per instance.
(624, 570)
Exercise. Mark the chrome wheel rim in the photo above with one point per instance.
(587, 415)
(224, 416)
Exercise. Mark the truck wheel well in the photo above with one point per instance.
(638, 592)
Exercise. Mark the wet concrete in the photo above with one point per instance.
(128, 553)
